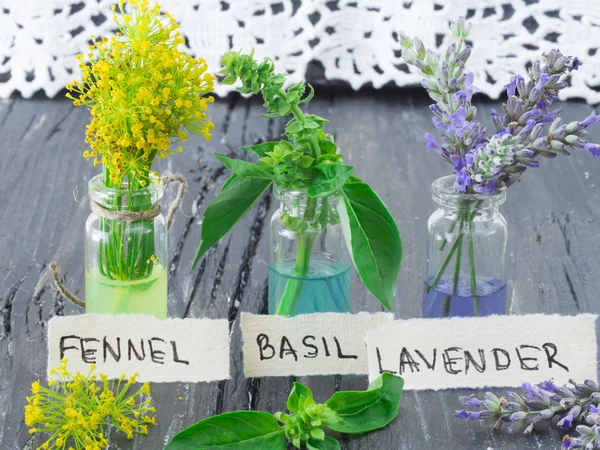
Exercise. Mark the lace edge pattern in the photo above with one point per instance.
(355, 41)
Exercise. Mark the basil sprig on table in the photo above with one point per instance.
(307, 159)
(353, 412)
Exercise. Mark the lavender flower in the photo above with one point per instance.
(463, 180)
(484, 163)
(589, 438)
(539, 406)
(592, 118)
(594, 149)
(458, 122)
(511, 88)
(432, 144)
(458, 162)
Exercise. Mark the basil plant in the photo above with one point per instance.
(308, 160)
(305, 423)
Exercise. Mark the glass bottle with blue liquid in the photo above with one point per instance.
(466, 253)
(309, 268)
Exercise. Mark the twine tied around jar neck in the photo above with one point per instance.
(126, 216)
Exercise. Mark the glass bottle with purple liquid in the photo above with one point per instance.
(466, 253)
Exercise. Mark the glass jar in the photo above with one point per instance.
(126, 257)
(309, 269)
(465, 253)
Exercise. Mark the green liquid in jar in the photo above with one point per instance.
(146, 296)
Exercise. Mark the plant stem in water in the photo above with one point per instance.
(466, 218)
(450, 231)
(448, 298)
(476, 300)
(438, 277)
(125, 253)
(294, 286)
(446, 306)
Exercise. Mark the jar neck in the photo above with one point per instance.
(446, 197)
(125, 199)
(303, 214)
(296, 202)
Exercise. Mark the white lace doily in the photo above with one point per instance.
(356, 41)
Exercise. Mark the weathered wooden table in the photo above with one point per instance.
(554, 249)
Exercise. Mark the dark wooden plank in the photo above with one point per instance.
(553, 218)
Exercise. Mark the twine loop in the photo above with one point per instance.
(126, 216)
(130, 216)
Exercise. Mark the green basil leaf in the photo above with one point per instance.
(294, 126)
(310, 125)
(319, 120)
(328, 443)
(284, 109)
(317, 433)
(241, 430)
(228, 182)
(270, 116)
(373, 239)
(295, 156)
(260, 149)
(329, 179)
(230, 79)
(298, 391)
(304, 143)
(310, 95)
(227, 209)
(363, 411)
(245, 168)
(305, 162)
(327, 147)
(329, 158)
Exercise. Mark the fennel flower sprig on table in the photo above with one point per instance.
(485, 164)
(575, 405)
(145, 95)
(76, 410)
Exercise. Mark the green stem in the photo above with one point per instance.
(451, 228)
(458, 259)
(293, 288)
(128, 246)
(476, 299)
(447, 304)
(295, 109)
(440, 273)
(298, 114)
(466, 218)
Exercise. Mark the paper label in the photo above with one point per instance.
(309, 344)
(162, 351)
(488, 351)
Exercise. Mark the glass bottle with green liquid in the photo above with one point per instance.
(126, 250)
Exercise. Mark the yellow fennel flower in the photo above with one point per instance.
(77, 413)
(143, 93)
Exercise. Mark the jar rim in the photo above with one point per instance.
(444, 192)
(279, 191)
(104, 195)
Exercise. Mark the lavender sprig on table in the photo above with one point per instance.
(539, 406)
(484, 163)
